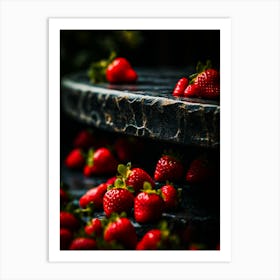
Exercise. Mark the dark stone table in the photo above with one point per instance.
(146, 108)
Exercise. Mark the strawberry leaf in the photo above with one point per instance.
(97, 70)
(199, 67)
(122, 170)
(123, 215)
(208, 64)
(119, 183)
(131, 189)
(147, 186)
(110, 187)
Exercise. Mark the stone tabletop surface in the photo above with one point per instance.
(144, 109)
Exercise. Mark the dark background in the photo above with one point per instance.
(148, 48)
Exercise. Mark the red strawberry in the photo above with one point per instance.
(68, 220)
(205, 83)
(135, 177)
(95, 196)
(83, 243)
(159, 239)
(117, 200)
(148, 205)
(75, 159)
(95, 227)
(120, 71)
(209, 84)
(168, 168)
(180, 87)
(84, 140)
(192, 91)
(100, 162)
(199, 171)
(121, 231)
(150, 240)
(170, 197)
(66, 237)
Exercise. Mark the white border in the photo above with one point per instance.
(55, 25)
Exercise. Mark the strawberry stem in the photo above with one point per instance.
(90, 157)
(97, 70)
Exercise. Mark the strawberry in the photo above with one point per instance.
(205, 83)
(148, 205)
(160, 238)
(75, 159)
(208, 83)
(94, 227)
(180, 87)
(100, 162)
(94, 196)
(121, 231)
(83, 243)
(170, 197)
(200, 171)
(192, 91)
(120, 71)
(168, 168)
(84, 140)
(118, 199)
(135, 177)
(150, 240)
(68, 221)
(66, 237)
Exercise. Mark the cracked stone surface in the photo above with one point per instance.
(146, 108)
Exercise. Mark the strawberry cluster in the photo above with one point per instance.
(131, 195)
(203, 84)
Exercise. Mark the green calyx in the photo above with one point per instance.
(88, 211)
(120, 182)
(97, 70)
(147, 188)
(200, 67)
(124, 170)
